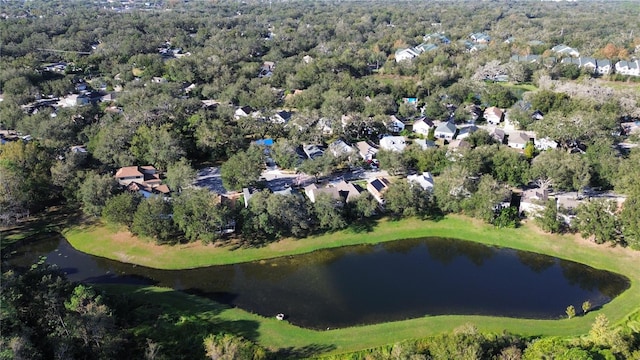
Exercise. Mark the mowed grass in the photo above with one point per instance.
(99, 240)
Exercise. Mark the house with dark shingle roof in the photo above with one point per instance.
(377, 187)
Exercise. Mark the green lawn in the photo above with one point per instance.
(273, 334)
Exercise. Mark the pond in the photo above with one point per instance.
(366, 284)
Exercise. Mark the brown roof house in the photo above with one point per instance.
(146, 175)
(493, 115)
(377, 187)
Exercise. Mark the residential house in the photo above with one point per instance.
(394, 124)
(518, 140)
(478, 47)
(312, 151)
(532, 201)
(436, 38)
(630, 127)
(393, 143)
(493, 115)
(366, 151)
(340, 148)
(377, 187)
(348, 191)
(446, 130)
(529, 59)
(244, 111)
(466, 131)
(325, 125)
(425, 180)
(405, 54)
(498, 135)
(537, 115)
(586, 63)
(628, 68)
(342, 191)
(72, 100)
(425, 47)
(425, 144)
(604, 67)
(475, 111)
(564, 50)
(535, 43)
(281, 117)
(313, 191)
(144, 175)
(422, 126)
(480, 38)
(455, 146)
(266, 70)
(79, 149)
(545, 144)
(148, 191)
(410, 53)
(247, 194)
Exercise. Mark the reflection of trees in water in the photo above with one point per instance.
(445, 250)
(285, 266)
(28, 251)
(588, 278)
(536, 262)
(402, 246)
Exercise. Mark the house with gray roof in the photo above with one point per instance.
(446, 130)
(564, 50)
(628, 68)
(480, 38)
(529, 59)
(393, 143)
(587, 63)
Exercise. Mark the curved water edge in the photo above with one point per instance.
(366, 284)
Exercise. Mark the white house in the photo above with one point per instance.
(422, 126)
(466, 131)
(565, 50)
(532, 201)
(393, 143)
(339, 148)
(604, 67)
(405, 54)
(518, 140)
(243, 111)
(545, 144)
(365, 150)
(493, 115)
(425, 180)
(446, 130)
(394, 124)
(582, 62)
(628, 68)
(281, 117)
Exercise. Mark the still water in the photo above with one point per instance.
(366, 284)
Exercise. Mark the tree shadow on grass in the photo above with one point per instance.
(365, 225)
(177, 321)
(50, 220)
(303, 352)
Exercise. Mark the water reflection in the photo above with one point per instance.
(366, 284)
